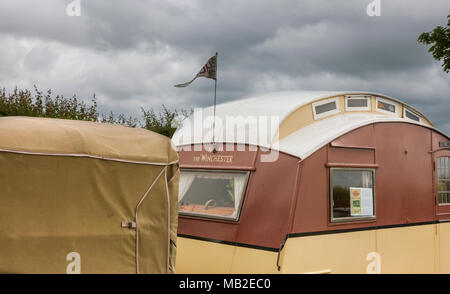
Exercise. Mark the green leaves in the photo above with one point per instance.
(165, 122)
(27, 103)
(439, 38)
(39, 104)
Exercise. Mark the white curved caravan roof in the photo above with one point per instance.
(293, 122)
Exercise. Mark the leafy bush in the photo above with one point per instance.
(39, 104)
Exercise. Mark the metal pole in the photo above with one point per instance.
(214, 121)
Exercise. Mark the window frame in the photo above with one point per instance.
(437, 182)
(351, 97)
(388, 102)
(405, 109)
(442, 211)
(349, 219)
(212, 216)
(326, 113)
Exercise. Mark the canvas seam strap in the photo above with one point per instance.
(168, 221)
(88, 156)
(136, 216)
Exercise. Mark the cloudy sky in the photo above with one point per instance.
(131, 53)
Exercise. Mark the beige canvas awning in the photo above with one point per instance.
(86, 197)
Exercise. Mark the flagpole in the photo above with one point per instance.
(214, 121)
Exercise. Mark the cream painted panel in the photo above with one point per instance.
(407, 249)
(203, 257)
(414, 249)
(334, 253)
(444, 248)
(254, 261)
(303, 116)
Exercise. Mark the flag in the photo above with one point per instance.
(209, 71)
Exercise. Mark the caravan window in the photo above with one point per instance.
(443, 175)
(216, 194)
(352, 194)
(412, 115)
(357, 103)
(325, 108)
(387, 106)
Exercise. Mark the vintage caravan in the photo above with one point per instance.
(313, 182)
(85, 197)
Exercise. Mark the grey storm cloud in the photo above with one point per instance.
(39, 59)
(131, 53)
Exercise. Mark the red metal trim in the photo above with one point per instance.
(352, 222)
(443, 213)
(192, 166)
(254, 158)
(294, 198)
(209, 219)
(439, 149)
(356, 165)
(332, 144)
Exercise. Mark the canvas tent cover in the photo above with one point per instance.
(72, 192)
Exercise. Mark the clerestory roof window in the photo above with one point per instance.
(357, 103)
(387, 106)
(410, 114)
(325, 108)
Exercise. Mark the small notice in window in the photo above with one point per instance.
(361, 201)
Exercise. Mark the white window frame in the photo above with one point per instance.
(213, 216)
(334, 219)
(438, 167)
(389, 102)
(366, 108)
(405, 109)
(327, 113)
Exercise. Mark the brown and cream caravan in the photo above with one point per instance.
(313, 182)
